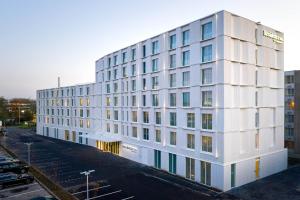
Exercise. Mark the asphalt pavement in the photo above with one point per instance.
(114, 177)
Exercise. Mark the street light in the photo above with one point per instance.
(87, 173)
(28, 150)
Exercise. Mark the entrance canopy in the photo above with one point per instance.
(105, 137)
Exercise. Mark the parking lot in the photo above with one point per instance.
(24, 192)
(114, 177)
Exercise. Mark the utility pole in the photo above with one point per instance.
(87, 173)
(28, 151)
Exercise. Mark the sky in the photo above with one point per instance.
(43, 39)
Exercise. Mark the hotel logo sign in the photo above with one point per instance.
(274, 37)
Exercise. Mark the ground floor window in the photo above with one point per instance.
(205, 173)
(190, 168)
(157, 159)
(172, 163)
(80, 138)
(233, 169)
(257, 163)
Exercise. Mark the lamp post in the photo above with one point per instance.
(87, 173)
(28, 151)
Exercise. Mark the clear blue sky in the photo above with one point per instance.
(43, 39)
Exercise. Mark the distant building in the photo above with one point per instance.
(292, 111)
(203, 101)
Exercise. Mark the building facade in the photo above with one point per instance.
(203, 101)
(292, 112)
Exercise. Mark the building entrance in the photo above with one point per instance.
(113, 147)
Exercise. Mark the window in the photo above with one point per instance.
(172, 138)
(155, 47)
(144, 84)
(133, 100)
(207, 31)
(185, 78)
(108, 127)
(173, 41)
(145, 133)
(257, 119)
(233, 172)
(116, 128)
(144, 51)
(191, 120)
(133, 54)
(158, 135)
(207, 144)
(108, 88)
(133, 85)
(190, 168)
(207, 53)
(190, 141)
(172, 78)
(107, 114)
(144, 100)
(172, 61)
(133, 70)
(107, 101)
(289, 132)
(205, 173)
(81, 113)
(289, 79)
(115, 101)
(144, 68)
(207, 121)
(172, 163)
(134, 132)
(157, 117)
(154, 100)
(289, 118)
(257, 140)
(155, 65)
(145, 117)
(185, 37)
(116, 115)
(115, 60)
(109, 62)
(157, 159)
(115, 87)
(173, 119)
(185, 58)
(87, 113)
(155, 82)
(124, 74)
(207, 98)
(185, 99)
(124, 57)
(172, 99)
(81, 102)
(207, 76)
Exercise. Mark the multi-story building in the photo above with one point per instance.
(203, 101)
(292, 114)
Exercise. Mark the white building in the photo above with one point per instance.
(203, 101)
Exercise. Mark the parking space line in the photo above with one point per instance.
(128, 198)
(105, 186)
(103, 195)
(24, 193)
(20, 186)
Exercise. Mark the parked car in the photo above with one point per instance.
(11, 179)
(15, 166)
(5, 158)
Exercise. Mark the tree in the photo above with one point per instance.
(3, 109)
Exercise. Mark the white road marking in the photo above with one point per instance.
(105, 186)
(24, 193)
(103, 195)
(128, 198)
